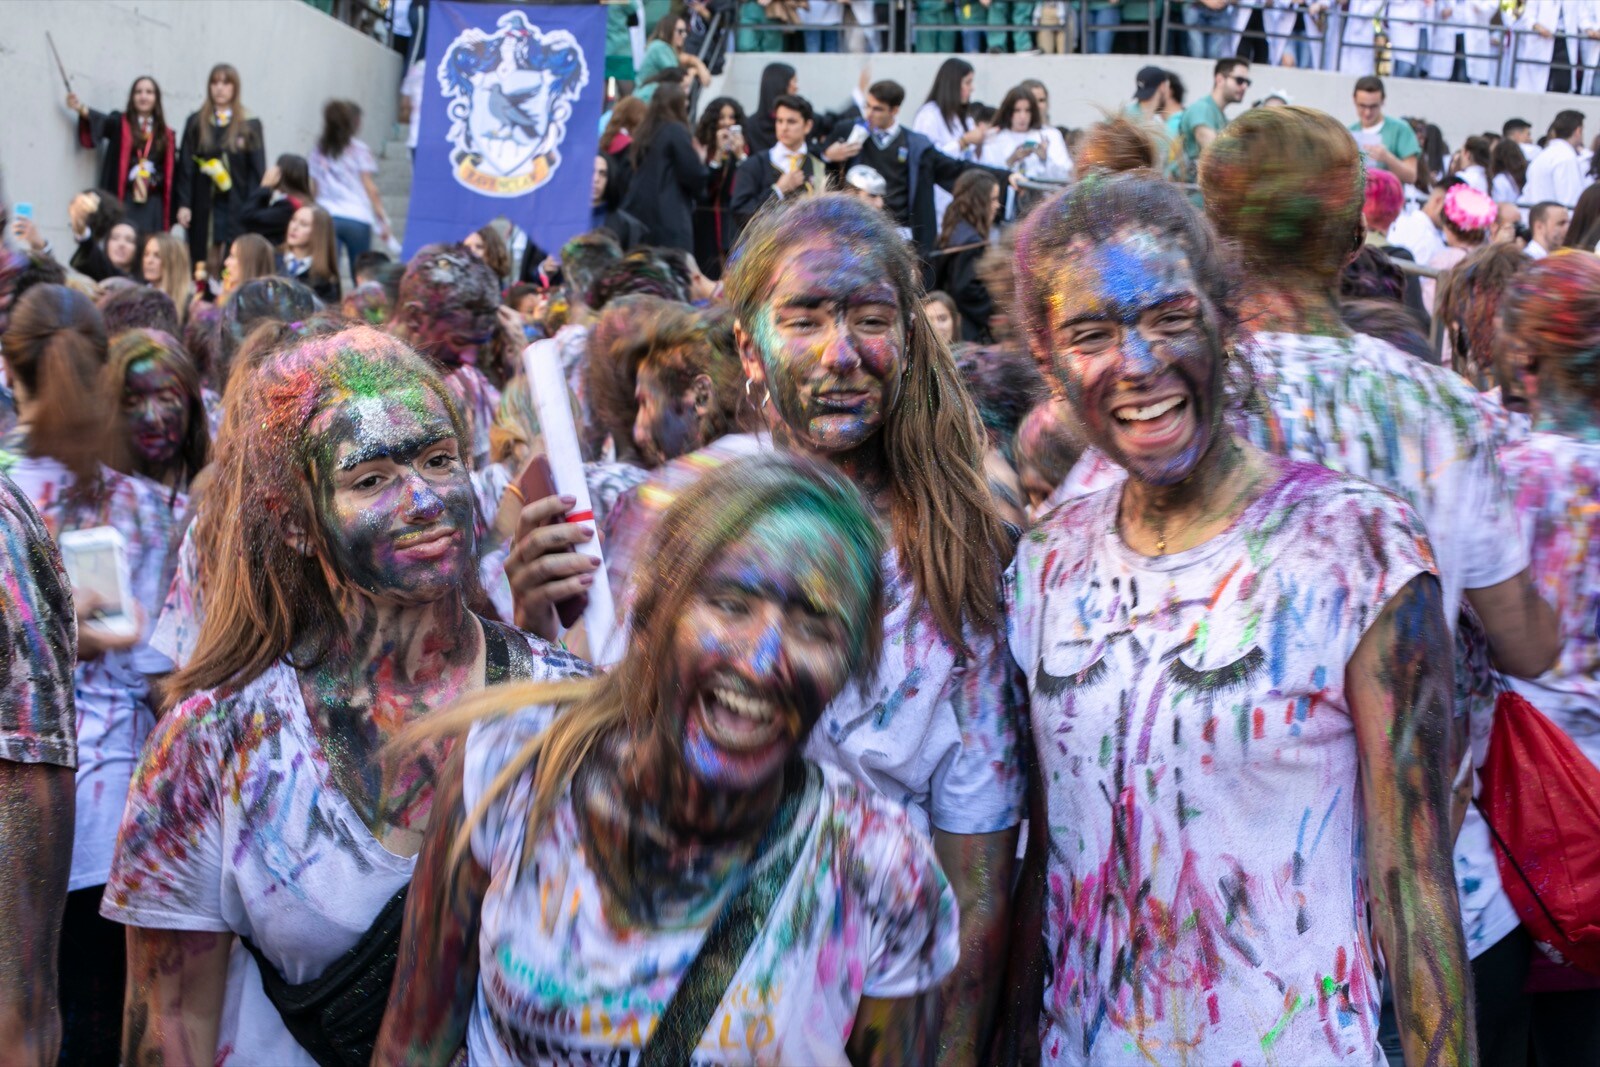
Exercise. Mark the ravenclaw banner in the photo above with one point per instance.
(511, 101)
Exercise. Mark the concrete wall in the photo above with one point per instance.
(1081, 87)
(291, 58)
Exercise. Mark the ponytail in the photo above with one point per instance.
(55, 348)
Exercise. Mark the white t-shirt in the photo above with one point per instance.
(1360, 406)
(1416, 233)
(235, 825)
(1556, 482)
(112, 692)
(339, 189)
(866, 912)
(1206, 898)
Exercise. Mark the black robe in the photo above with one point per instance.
(155, 215)
(215, 217)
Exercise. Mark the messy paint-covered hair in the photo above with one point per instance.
(1553, 309)
(1005, 384)
(132, 346)
(1287, 184)
(944, 525)
(273, 588)
(1097, 209)
(691, 536)
(139, 307)
(1467, 304)
(618, 342)
(689, 343)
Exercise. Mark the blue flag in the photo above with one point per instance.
(511, 102)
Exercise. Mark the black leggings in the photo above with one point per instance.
(1516, 1029)
(93, 966)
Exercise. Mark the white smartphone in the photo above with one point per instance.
(97, 560)
(858, 134)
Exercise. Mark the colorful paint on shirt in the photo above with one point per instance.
(1205, 900)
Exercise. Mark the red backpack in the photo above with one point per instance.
(1540, 796)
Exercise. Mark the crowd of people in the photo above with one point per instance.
(1086, 661)
(1530, 45)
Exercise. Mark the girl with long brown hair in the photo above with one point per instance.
(337, 614)
(310, 254)
(345, 175)
(223, 157)
(249, 257)
(969, 224)
(711, 892)
(164, 264)
(61, 455)
(140, 162)
(839, 356)
(164, 429)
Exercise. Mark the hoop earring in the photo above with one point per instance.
(766, 395)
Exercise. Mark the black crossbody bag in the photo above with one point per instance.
(734, 930)
(335, 1017)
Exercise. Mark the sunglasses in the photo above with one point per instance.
(1244, 82)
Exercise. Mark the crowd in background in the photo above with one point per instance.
(953, 475)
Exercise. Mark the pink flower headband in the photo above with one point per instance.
(1468, 208)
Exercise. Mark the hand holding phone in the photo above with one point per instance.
(537, 486)
(97, 565)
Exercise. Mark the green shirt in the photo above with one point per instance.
(1203, 112)
(658, 57)
(1397, 136)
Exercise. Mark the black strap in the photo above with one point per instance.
(705, 982)
(335, 1016)
(1511, 857)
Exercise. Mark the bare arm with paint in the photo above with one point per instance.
(436, 975)
(891, 1033)
(173, 1008)
(978, 867)
(1400, 688)
(36, 847)
(1523, 631)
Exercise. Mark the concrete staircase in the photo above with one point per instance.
(394, 180)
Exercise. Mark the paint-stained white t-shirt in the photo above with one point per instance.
(1206, 900)
(865, 912)
(235, 825)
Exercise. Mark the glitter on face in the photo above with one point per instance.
(763, 646)
(831, 343)
(394, 495)
(1129, 346)
(156, 410)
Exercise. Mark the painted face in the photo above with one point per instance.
(966, 89)
(156, 412)
(298, 235)
(221, 90)
(144, 96)
(940, 319)
(1129, 345)
(393, 495)
(760, 650)
(474, 244)
(150, 266)
(829, 345)
(122, 246)
(667, 426)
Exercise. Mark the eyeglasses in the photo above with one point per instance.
(1243, 83)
